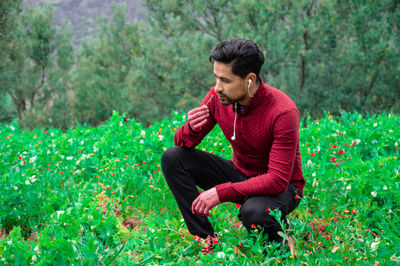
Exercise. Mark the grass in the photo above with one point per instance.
(98, 196)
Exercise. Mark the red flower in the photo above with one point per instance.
(297, 196)
(396, 148)
(341, 152)
(334, 146)
(106, 248)
(333, 160)
(62, 185)
(268, 209)
(237, 205)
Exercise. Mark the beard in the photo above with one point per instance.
(226, 100)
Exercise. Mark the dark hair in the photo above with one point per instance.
(244, 55)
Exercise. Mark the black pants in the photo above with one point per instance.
(185, 169)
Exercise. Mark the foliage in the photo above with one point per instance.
(98, 196)
(35, 59)
(327, 55)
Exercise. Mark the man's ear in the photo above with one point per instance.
(251, 76)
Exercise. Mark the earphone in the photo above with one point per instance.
(248, 88)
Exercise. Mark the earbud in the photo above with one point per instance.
(248, 88)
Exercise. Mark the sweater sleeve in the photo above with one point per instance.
(186, 137)
(280, 165)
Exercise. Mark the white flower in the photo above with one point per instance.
(33, 179)
(70, 140)
(143, 133)
(36, 249)
(15, 187)
(69, 158)
(348, 187)
(82, 142)
(59, 213)
(374, 194)
(160, 137)
(374, 245)
(34, 258)
(375, 124)
(221, 255)
(141, 141)
(12, 128)
(120, 123)
(33, 159)
(384, 187)
(27, 182)
(314, 174)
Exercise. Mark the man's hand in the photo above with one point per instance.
(197, 117)
(205, 202)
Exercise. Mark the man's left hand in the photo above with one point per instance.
(205, 202)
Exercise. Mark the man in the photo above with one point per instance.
(262, 125)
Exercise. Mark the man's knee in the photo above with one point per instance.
(254, 214)
(251, 214)
(171, 156)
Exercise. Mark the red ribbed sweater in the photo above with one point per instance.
(266, 147)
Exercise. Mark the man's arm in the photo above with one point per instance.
(280, 166)
(200, 123)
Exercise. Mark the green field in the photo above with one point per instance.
(98, 196)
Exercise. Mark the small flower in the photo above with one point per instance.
(62, 185)
(221, 255)
(296, 197)
(341, 152)
(374, 194)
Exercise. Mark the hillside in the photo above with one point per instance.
(84, 14)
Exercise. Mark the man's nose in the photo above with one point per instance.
(217, 87)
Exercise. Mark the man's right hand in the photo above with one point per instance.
(197, 117)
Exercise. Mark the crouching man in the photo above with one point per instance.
(262, 125)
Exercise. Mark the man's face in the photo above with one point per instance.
(229, 87)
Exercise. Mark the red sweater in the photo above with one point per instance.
(266, 147)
